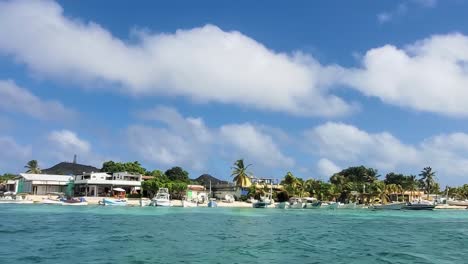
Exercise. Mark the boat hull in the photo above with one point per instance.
(212, 204)
(49, 201)
(418, 207)
(394, 206)
(75, 204)
(458, 203)
(164, 203)
(261, 205)
(112, 202)
(189, 204)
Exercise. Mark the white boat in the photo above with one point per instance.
(265, 201)
(457, 203)
(162, 198)
(346, 206)
(12, 198)
(389, 206)
(75, 202)
(186, 203)
(419, 205)
(296, 203)
(49, 200)
(113, 202)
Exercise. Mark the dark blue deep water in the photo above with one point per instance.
(91, 234)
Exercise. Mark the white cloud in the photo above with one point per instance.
(206, 64)
(348, 146)
(17, 99)
(429, 75)
(64, 144)
(187, 141)
(183, 141)
(13, 156)
(326, 168)
(66, 139)
(403, 8)
(252, 144)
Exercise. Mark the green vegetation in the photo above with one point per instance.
(7, 176)
(33, 167)
(240, 173)
(130, 167)
(362, 184)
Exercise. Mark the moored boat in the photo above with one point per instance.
(162, 198)
(296, 203)
(13, 198)
(346, 205)
(419, 205)
(75, 201)
(389, 206)
(113, 202)
(186, 203)
(457, 203)
(212, 203)
(49, 200)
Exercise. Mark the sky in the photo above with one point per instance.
(311, 87)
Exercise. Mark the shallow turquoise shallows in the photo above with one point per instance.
(91, 234)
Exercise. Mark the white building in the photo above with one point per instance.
(102, 183)
(41, 184)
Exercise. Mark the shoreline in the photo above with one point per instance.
(135, 202)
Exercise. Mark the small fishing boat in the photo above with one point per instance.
(457, 203)
(311, 203)
(212, 203)
(296, 203)
(75, 201)
(419, 205)
(113, 202)
(282, 205)
(265, 201)
(389, 206)
(57, 201)
(13, 198)
(162, 198)
(186, 203)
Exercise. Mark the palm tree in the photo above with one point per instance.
(427, 179)
(240, 174)
(33, 167)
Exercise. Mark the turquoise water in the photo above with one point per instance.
(91, 234)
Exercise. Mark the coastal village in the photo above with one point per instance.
(129, 184)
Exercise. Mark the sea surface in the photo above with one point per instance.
(92, 234)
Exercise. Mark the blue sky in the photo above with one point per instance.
(310, 88)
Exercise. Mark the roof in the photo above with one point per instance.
(45, 177)
(196, 187)
(68, 168)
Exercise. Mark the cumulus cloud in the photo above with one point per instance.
(66, 139)
(17, 99)
(429, 75)
(206, 64)
(327, 167)
(182, 141)
(253, 144)
(13, 155)
(187, 141)
(64, 144)
(347, 145)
